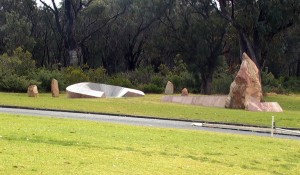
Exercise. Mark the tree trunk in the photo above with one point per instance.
(246, 46)
(131, 64)
(73, 49)
(298, 68)
(206, 84)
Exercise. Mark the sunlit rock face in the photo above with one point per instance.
(246, 86)
(202, 100)
(169, 88)
(263, 106)
(96, 90)
(184, 92)
(32, 91)
(54, 88)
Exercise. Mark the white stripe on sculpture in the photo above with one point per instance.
(96, 90)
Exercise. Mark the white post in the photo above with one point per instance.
(273, 125)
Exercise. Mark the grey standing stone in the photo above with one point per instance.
(169, 88)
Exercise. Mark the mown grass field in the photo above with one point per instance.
(33, 145)
(151, 105)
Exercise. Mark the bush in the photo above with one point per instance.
(292, 84)
(15, 70)
(151, 88)
(158, 80)
(221, 83)
(120, 80)
(177, 82)
(75, 75)
(97, 75)
(271, 84)
(45, 76)
(15, 83)
(142, 75)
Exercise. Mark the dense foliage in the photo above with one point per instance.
(144, 43)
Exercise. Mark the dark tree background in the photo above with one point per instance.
(124, 35)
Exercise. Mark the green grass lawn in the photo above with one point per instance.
(151, 105)
(33, 145)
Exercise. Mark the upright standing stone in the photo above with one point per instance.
(169, 88)
(184, 92)
(246, 86)
(32, 91)
(54, 88)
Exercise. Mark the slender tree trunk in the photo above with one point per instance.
(206, 84)
(246, 46)
(131, 64)
(298, 68)
(73, 49)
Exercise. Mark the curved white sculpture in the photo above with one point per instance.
(96, 90)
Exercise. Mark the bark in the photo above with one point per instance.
(246, 46)
(206, 84)
(298, 68)
(73, 49)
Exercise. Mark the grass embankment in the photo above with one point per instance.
(32, 145)
(151, 105)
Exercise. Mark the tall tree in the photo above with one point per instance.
(74, 30)
(16, 24)
(199, 32)
(257, 22)
(138, 25)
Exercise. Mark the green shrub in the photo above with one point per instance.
(141, 75)
(19, 63)
(177, 82)
(15, 83)
(97, 75)
(151, 88)
(120, 80)
(45, 76)
(15, 70)
(292, 84)
(221, 83)
(271, 84)
(75, 75)
(158, 80)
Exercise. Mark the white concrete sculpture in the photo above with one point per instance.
(96, 90)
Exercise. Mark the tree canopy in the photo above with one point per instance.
(206, 36)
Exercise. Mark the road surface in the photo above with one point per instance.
(138, 121)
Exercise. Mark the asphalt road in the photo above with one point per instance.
(149, 122)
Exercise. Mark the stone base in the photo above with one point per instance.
(205, 100)
(219, 101)
(264, 106)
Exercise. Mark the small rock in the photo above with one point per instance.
(184, 92)
(32, 91)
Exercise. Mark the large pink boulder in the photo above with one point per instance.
(246, 86)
